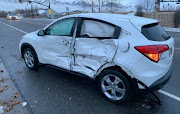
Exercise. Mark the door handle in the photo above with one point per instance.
(66, 42)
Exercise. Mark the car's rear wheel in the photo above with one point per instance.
(30, 59)
(114, 86)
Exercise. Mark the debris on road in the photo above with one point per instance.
(10, 100)
(15, 103)
(1, 90)
(1, 109)
(2, 80)
(5, 105)
(36, 101)
(19, 72)
(9, 109)
(15, 95)
(24, 104)
(5, 87)
(70, 98)
(1, 71)
(146, 106)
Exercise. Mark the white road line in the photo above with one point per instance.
(177, 48)
(14, 27)
(169, 95)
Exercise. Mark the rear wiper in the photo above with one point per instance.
(168, 37)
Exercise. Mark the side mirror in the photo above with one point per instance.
(41, 33)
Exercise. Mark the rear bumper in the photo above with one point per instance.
(164, 80)
(156, 85)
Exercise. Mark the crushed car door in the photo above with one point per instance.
(54, 47)
(95, 45)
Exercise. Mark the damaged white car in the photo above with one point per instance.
(125, 54)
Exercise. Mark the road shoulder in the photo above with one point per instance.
(10, 100)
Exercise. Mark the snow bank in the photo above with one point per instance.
(172, 29)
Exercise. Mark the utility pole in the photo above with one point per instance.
(49, 10)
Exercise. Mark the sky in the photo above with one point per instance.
(10, 6)
(6, 5)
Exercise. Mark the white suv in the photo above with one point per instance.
(123, 53)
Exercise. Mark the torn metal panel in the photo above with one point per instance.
(91, 54)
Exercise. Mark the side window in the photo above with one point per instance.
(96, 29)
(61, 28)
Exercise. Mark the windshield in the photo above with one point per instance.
(155, 32)
(11, 15)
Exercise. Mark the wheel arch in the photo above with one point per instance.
(26, 45)
(117, 67)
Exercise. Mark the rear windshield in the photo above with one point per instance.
(155, 32)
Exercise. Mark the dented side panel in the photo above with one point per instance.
(54, 50)
(91, 53)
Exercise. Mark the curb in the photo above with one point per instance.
(10, 100)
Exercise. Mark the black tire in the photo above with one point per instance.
(126, 85)
(34, 55)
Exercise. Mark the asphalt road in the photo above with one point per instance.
(60, 92)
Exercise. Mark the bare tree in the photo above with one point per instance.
(112, 2)
(99, 5)
(147, 5)
(92, 2)
(3, 14)
(32, 11)
(139, 11)
(36, 11)
(102, 4)
(83, 5)
(17, 11)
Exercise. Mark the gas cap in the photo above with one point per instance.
(124, 46)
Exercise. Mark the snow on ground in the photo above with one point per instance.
(172, 29)
(41, 11)
(62, 8)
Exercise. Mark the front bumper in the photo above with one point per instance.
(156, 85)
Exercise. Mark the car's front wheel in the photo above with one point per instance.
(114, 86)
(30, 59)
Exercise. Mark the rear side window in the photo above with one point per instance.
(95, 29)
(155, 32)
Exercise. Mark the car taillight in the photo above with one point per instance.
(153, 52)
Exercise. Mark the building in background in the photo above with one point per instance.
(169, 5)
(44, 13)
